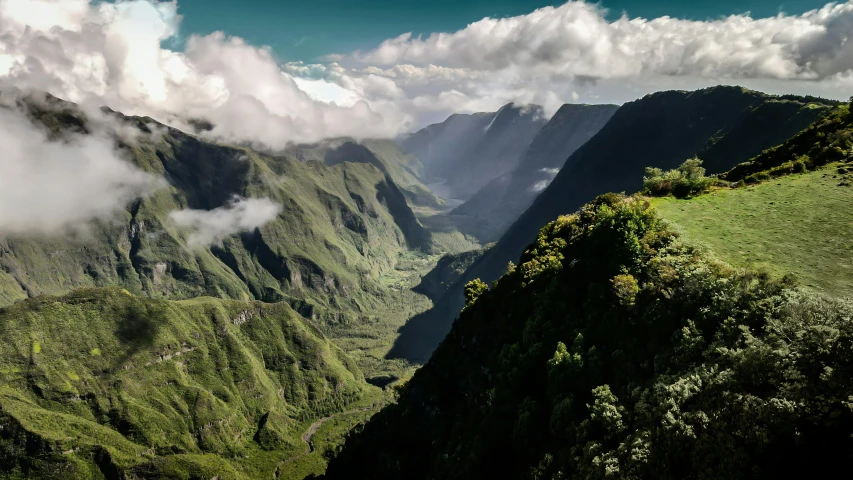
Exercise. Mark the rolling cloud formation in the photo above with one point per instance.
(111, 53)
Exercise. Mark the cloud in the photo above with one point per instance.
(211, 226)
(539, 186)
(573, 53)
(112, 53)
(575, 39)
(549, 174)
(52, 187)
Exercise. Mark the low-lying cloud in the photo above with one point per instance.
(210, 227)
(549, 174)
(53, 187)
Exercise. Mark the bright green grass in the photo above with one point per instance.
(799, 224)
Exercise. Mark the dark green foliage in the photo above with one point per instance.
(616, 350)
(827, 140)
(687, 180)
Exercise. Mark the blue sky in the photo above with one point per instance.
(308, 29)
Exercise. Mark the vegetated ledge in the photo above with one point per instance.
(616, 349)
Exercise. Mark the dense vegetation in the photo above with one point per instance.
(616, 349)
(722, 126)
(100, 382)
(686, 180)
(827, 140)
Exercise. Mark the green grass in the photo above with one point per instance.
(800, 224)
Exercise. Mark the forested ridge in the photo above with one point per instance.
(617, 349)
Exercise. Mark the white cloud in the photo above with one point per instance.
(211, 226)
(52, 187)
(539, 186)
(550, 174)
(111, 53)
(576, 40)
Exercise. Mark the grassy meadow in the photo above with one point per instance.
(797, 224)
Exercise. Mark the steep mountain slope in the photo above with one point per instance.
(405, 169)
(437, 146)
(501, 201)
(468, 153)
(339, 229)
(616, 350)
(723, 126)
(100, 382)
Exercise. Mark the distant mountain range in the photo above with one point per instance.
(723, 126)
(648, 336)
(498, 203)
(469, 151)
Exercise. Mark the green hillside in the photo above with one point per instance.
(129, 349)
(345, 234)
(798, 224)
(404, 169)
(790, 211)
(616, 349)
(101, 381)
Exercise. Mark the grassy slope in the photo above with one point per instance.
(103, 378)
(800, 224)
(783, 222)
(342, 233)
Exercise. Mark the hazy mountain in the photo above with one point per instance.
(338, 226)
(468, 151)
(404, 168)
(723, 125)
(496, 205)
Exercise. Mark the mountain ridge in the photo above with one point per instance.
(671, 126)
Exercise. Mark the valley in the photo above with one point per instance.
(395, 240)
(319, 336)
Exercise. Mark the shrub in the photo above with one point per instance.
(686, 180)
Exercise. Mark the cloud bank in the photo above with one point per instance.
(51, 187)
(212, 226)
(111, 53)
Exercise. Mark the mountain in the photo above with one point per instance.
(136, 346)
(103, 384)
(340, 227)
(616, 349)
(403, 168)
(505, 198)
(722, 125)
(468, 151)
